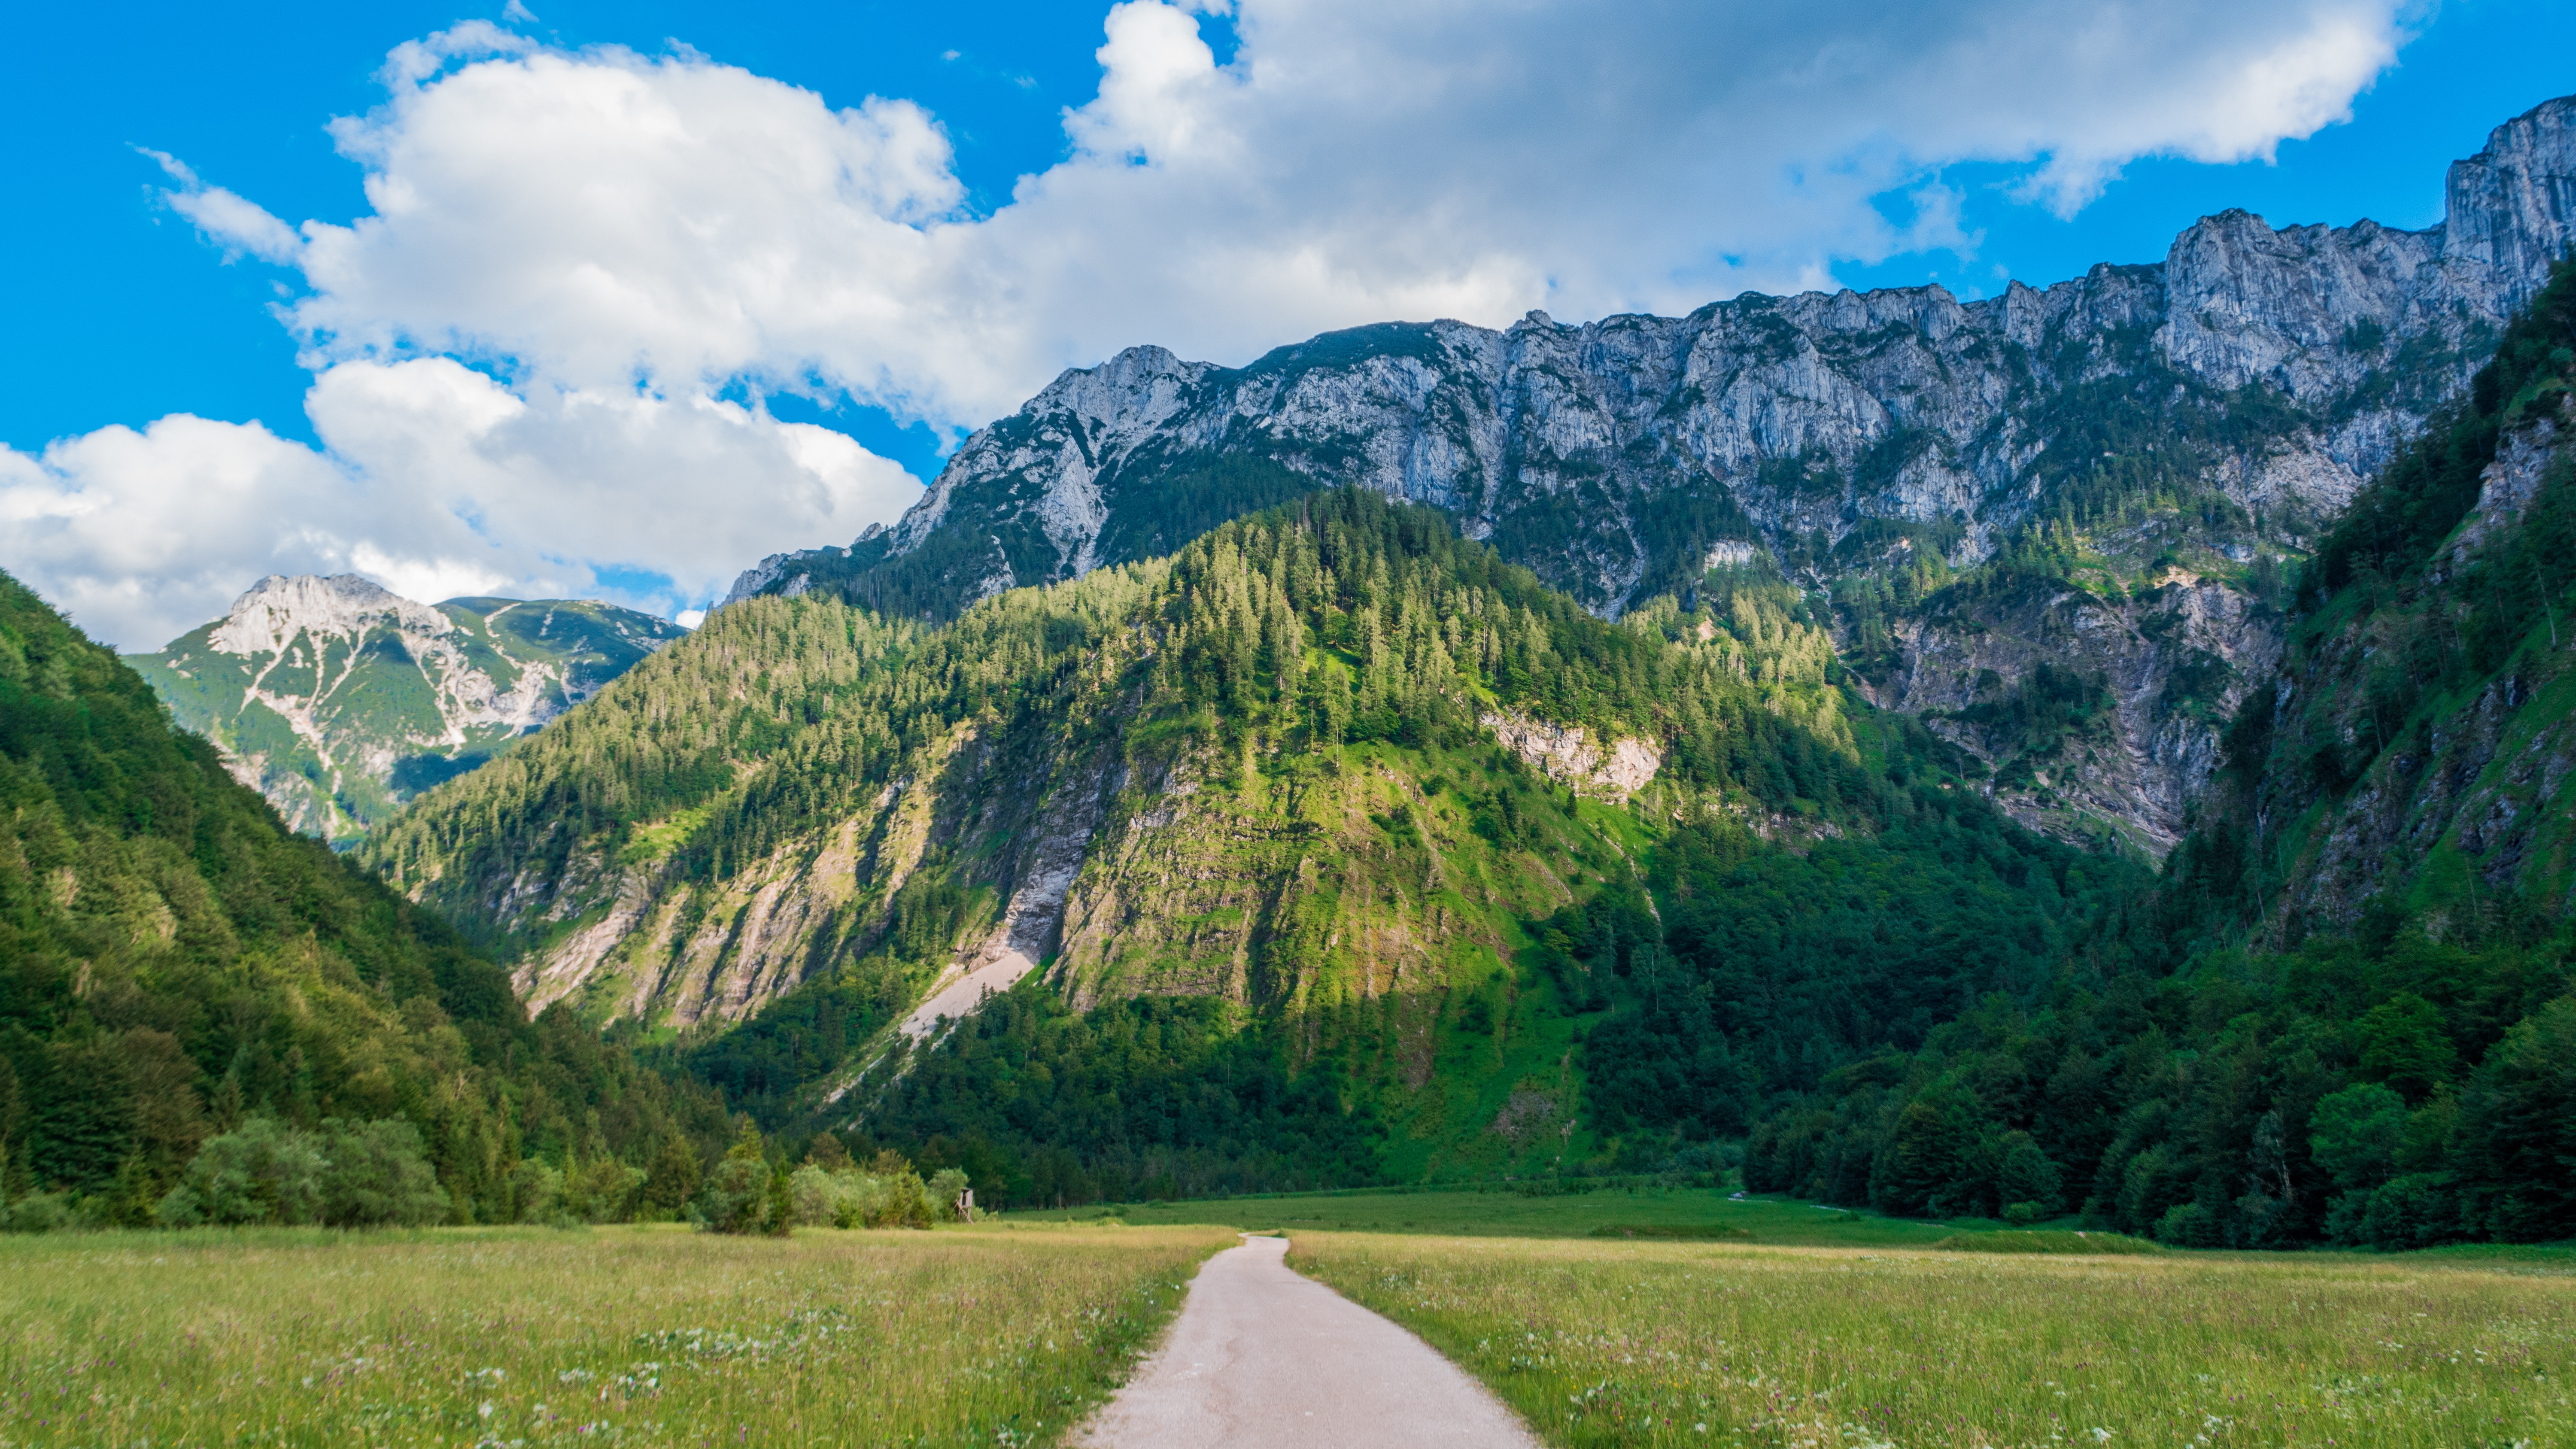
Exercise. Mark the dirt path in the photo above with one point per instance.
(1262, 1358)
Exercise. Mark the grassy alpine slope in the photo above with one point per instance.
(175, 963)
(645, 1336)
(1257, 800)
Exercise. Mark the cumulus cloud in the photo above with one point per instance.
(602, 213)
(629, 238)
(436, 481)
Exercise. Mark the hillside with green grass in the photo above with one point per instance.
(1292, 834)
(176, 967)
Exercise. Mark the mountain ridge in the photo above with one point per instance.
(1284, 802)
(2210, 412)
(352, 699)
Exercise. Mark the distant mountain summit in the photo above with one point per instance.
(339, 700)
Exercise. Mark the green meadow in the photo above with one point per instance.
(1644, 1210)
(637, 1335)
(1682, 1343)
(1652, 1317)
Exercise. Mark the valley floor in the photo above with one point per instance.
(1593, 1316)
(625, 1335)
(1663, 1343)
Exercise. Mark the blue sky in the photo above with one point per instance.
(134, 316)
(131, 302)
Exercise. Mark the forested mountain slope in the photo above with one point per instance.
(2143, 448)
(174, 963)
(339, 700)
(2345, 1014)
(1271, 812)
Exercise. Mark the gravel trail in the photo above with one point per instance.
(1262, 1358)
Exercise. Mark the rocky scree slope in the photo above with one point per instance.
(2186, 424)
(339, 700)
(1317, 764)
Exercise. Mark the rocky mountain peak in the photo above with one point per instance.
(269, 616)
(2512, 206)
(2213, 410)
(338, 699)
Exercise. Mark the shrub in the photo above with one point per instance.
(2188, 1225)
(2417, 1210)
(39, 1212)
(888, 1195)
(2027, 1177)
(536, 1192)
(261, 1172)
(736, 1198)
(602, 1190)
(375, 1173)
(351, 1174)
(944, 1190)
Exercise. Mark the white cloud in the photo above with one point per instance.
(601, 213)
(236, 224)
(437, 481)
(629, 238)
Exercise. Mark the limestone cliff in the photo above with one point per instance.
(2213, 410)
(2413, 751)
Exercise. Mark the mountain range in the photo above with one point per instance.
(340, 700)
(2101, 754)
(2183, 430)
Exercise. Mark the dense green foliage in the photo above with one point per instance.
(1156, 1097)
(347, 1175)
(175, 965)
(1770, 972)
(2222, 1105)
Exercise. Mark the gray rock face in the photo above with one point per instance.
(2256, 375)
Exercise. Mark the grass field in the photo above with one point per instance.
(638, 1336)
(1004, 1334)
(1668, 1343)
(1606, 1212)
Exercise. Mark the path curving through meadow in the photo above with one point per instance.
(1263, 1358)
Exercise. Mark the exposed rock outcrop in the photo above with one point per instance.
(1609, 770)
(2267, 369)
